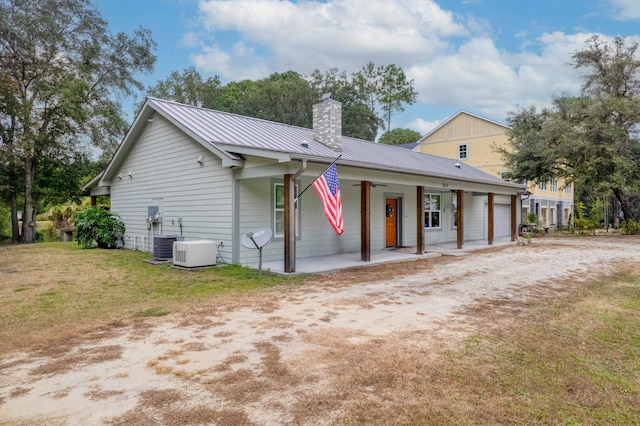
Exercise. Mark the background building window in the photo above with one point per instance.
(462, 151)
(567, 188)
(542, 186)
(432, 210)
(554, 185)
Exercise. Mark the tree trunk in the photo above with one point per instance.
(13, 183)
(28, 218)
(624, 202)
(15, 226)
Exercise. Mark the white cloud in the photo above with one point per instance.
(344, 34)
(239, 63)
(480, 77)
(421, 126)
(626, 10)
(454, 60)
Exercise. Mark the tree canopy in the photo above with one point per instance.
(591, 139)
(399, 137)
(369, 97)
(61, 72)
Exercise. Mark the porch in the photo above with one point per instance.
(324, 264)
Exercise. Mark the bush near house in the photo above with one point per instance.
(630, 227)
(98, 227)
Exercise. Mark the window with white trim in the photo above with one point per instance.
(278, 210)
(542, 186)
(554, 185)
(567, 188)
(462, 151)
(432, 207)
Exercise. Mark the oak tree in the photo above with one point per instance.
(61, 72)
(591, 139)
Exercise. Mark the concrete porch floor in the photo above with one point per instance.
(320, 264)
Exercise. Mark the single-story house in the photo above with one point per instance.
(205, 174)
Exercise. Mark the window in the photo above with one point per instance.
(432, 210)
(542, 186)
(554, 185)
(567, 188)
(278, 210)
(462, 151)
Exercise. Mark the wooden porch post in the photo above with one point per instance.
(460, 217)
(420, 243)
(365, 221)
(514, 206)
(289, 224)
(490, 227)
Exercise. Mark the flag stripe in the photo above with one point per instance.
(328, 190)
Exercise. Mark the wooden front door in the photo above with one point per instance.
(391, 211)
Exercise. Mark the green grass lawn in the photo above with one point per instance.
(50, 288)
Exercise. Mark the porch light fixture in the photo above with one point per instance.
(525, 194)
(200, 159)
(130, 174)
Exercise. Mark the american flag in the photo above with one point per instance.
(329, 192)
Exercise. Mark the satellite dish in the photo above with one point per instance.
(256, 239)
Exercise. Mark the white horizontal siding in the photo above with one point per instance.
(474, 220)
(165, 172)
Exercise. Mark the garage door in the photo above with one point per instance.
(501, 221)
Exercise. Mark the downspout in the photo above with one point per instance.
(235, 218)
(290, 219)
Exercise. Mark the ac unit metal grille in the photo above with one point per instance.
(163, 246)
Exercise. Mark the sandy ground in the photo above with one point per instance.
(251, 359)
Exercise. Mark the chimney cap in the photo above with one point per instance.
(327, 96)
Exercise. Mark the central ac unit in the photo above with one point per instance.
(162, 246)
(192, 254)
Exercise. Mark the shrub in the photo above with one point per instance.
(96, 226)
(630, 227)
(5, 223)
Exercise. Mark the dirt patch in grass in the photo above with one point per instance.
(78, 358)
(541, 334)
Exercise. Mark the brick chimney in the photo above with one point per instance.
(327, 122)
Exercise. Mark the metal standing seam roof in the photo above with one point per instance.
(225, 130)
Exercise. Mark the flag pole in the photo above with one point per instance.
(300, 194)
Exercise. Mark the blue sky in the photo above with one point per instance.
(488, 57)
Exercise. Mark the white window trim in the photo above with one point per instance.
(276, 209)
(466, 151)
(427, 212)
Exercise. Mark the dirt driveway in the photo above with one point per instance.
(281, 356)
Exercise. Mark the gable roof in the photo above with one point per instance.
(456, 115)
(230, 136)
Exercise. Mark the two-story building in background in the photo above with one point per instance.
(472, 140)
